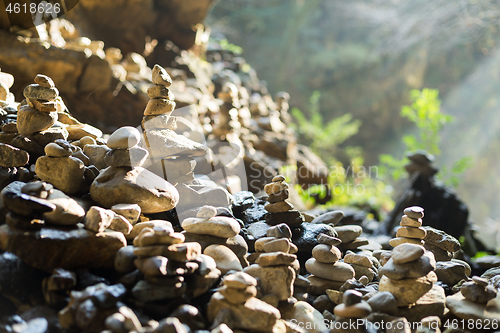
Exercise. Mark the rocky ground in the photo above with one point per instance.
(180, 222)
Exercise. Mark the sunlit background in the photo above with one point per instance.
(363, 58)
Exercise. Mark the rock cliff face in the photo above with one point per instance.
(127, 23)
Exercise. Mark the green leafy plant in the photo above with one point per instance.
(226, 45)
(352, 184)
(324, 138)
(425, 113)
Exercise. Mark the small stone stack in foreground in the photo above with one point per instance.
(170, 266)
(276, 266)
(125, 181)
(219, 228)
(326, 269)
(235, 305)
(409, 274)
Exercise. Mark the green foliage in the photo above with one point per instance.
(480, 254)
(324, 139)
(226, 45)
(353, 184)
(425, 113)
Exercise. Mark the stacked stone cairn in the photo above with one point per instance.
(125, 181)
(56, 288)
(409, 274)
(235, 305)
(12, 162)
(477, 303)
(279, 209)
(228, 112)
(282, 98)
(88, 310)
(353, 307)
(276, 266)
(326, 269)
(172, 156)
(479, 290)
(39, 111)
(168, 264)
(421, 164)
(71, 170)
(216, 229)
(411, 230)
(34, 204)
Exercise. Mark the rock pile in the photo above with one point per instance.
(275, 265)
(217, 236)
(411, 230)
(228, 111)
(478, 290)
(70, 173)
(326, 269)
(170, 266)
(39, 112)
(279, 209)
(235, 305)
(56, 288)
(477, 303)
(353, 306)
(125, 181)
(172, 156)
(409, 274)
(89, 309)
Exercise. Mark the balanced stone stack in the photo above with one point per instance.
(279, 209)
(476, 303)
(235, 305)
(326, 269)
(37, 203)
(353, 307)
(172, 156)
(421, 163)
(276, 265)
(228, 111)
(70, 172)
(170, 266)
(478, 290)
(125, 181)
(411, 230)
(12, 162)
(409, 274)
(282, 98)
(88, 309)
(56, 288)
(39, 112)
(213, 232)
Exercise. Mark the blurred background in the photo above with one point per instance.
(364, 57)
